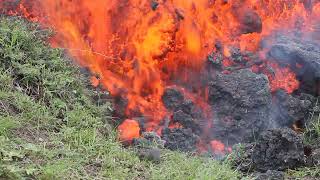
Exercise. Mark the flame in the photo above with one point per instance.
(282, 78)
(218, 147)
(129, 130)
(94, 81)
(140, 47)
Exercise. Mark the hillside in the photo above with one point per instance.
(54, 125)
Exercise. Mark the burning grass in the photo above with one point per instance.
(50, 127)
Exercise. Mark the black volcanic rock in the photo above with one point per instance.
(288, 109)
(172, 98)
(250, 22)
(120, 105)
(275, 149)
(242, 102)
(154, 5)
(148, 140)
(185, 112)
(179, 139)
(278, 149)
(295, 51)
(270, 175)
(186, 120)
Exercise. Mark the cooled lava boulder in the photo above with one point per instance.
(303, 56)
(275, 150)
(241, 102)
(278, 149)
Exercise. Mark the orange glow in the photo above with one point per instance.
(217, 147)
(282, 78)
(94, 81)
(129, 130)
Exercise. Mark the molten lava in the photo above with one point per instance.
(129, 130)
(282, 78)
(140, 47)
(217, 147)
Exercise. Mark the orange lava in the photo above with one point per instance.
(94, 81)
(217, 147)
(282, 78)
(129, 130)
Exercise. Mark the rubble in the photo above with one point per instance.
(291, 50)
(172, 98)
(303, 56)
(270, 175)
(154, 4)
(287, 109)
(241, 102)
(120, 105)
(275, 149)
(215, 60)
(250, 22)
(180, 139)
(278, 149)
(148, 140)
(186, 120)
(185, 112)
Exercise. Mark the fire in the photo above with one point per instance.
(129, 130)
(283, 78)
(140, 47)
(217, 147)
(94, 81)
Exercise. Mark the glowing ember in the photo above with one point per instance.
(282, 78)
(129, 130)
(95, 81)
(217, 147)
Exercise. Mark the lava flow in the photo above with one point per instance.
(137, 48)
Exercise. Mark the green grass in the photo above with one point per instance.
(304, 173)
(312, 139)
(312, 133)
(52, 128)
